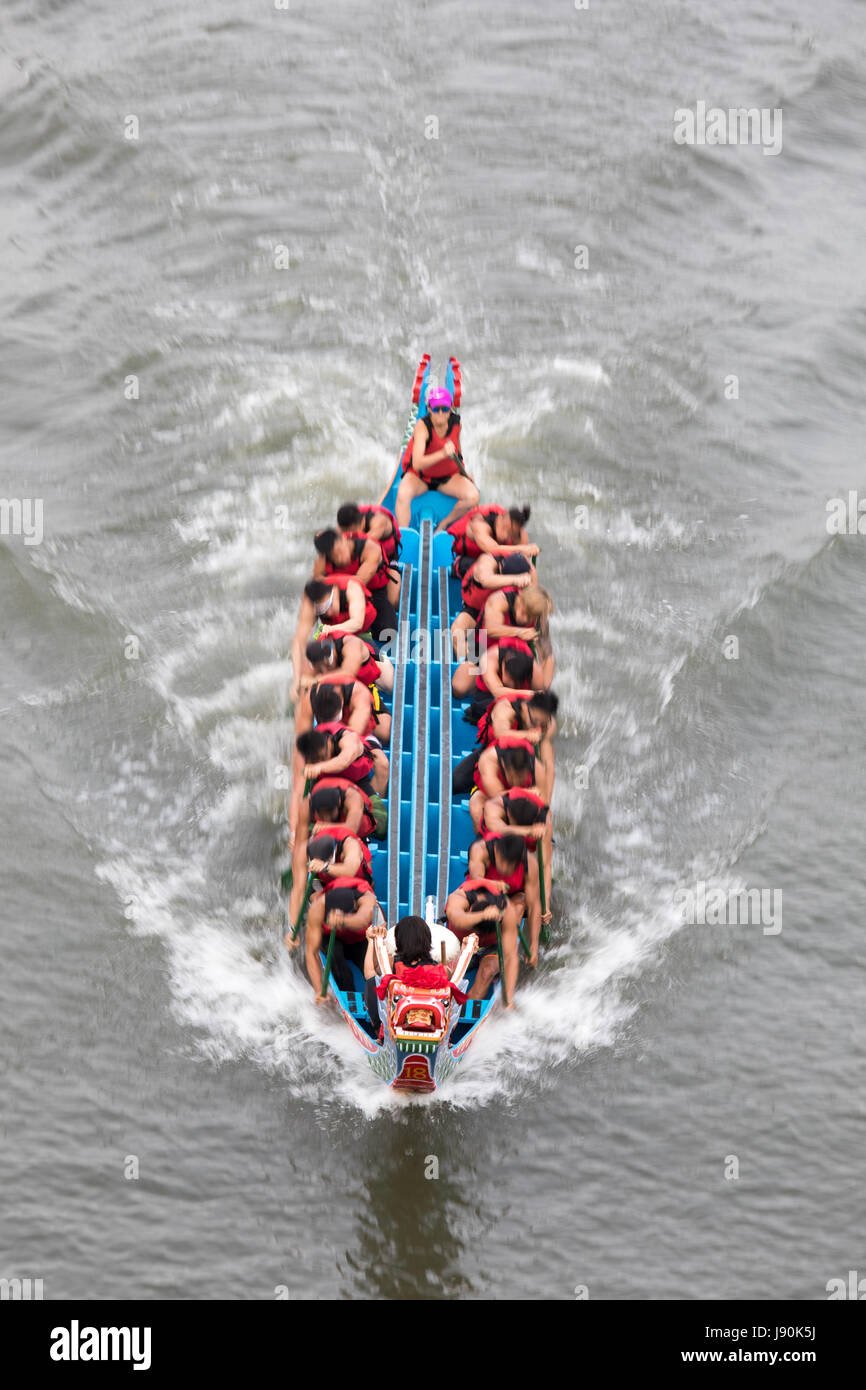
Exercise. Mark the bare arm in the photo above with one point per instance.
(371, 559)
(354, 803)
(306, 620)
(355, 620)
(495, 622)
(463, 919)
(420, 460)
(484, 573)
(488, 772)
(351, 747)
(489, 668)
(360, 710)
(533, 907)
(486, 541)
(352, 859)
(378, 526)
(361, 917)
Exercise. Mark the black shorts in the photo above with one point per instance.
(479, 956)
(386, 619)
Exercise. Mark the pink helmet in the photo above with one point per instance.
(439, 397)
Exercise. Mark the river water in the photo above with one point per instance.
(229, 232)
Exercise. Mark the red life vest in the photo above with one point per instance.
(514, 881)
(342, 784)
(360, 769)
(369, 673)
(335, 616)
(515, 741)
(471, 887)
(348, 933)
(510, 601)
(476, 595)
(506, 741)
(420, 977)
(461, 542)
(379, 579)
(485, 723)
(505, 644)
(347, 690)
(341, 833)
(517, 794)
(391, 545)
(447, 467)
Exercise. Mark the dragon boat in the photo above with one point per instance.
(425, 1033)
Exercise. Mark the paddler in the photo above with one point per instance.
(476, 906)
(508, 664)
(333, 851)
(508, 762)
(346, 908)
(332, 750)
(375, 521)
(332, 802)
(348, 657)
(479, 579)
(433, 461)
(504, 860)
(352, 703)
(362, 559)
(515, 611)
(342, 605)
(492, 528)
(349, 704)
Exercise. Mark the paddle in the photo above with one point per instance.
(545, 926)
(524, 943)
(288, 879)
(501, 963)
(304, 905)
(327, 975)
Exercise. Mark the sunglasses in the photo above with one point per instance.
(439, 410)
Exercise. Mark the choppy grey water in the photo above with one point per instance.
(171, 376)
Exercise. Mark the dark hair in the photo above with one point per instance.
(479, 898)
(312, 746)
(511, 847)
(341, 900)
(546, 701)
(323, 847)
(520, 515)
(514, 564)
(326, 702)
(324, 541)
(519, 667)
(317, 590)
(519, 810)
(319, 651)
(517, 759)
(349, 515)
(412, 935)
(326, 800)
